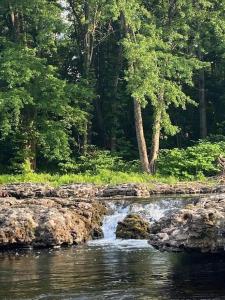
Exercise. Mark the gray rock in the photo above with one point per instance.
(199, 227)
(48, 221)
(131, 190)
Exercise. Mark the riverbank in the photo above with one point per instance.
(41, 215)
(96, 191)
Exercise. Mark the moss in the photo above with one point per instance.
(133, 227)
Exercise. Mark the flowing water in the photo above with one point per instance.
(112, 268)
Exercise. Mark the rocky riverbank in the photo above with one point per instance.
(199, 227)
(80, 190)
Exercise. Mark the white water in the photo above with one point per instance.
(151, 211)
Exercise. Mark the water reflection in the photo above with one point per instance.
(109, 273)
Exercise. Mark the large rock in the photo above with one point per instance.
(48, 221)
(133, 227)
(199, 227)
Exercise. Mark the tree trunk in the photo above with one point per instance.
(143, 154)
(140, 137)
(155, 139)
(30, 160)
(202, 105)
(117, 68)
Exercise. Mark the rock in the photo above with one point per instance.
(186, 188)
(48, 221)
(27, 190)
(131, 190)
(3, 193)
(87, 191)
(199, 227)
(133, 227)
(78, 190)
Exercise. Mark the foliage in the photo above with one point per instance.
(97, 161)
(70, 69)
(193, 162)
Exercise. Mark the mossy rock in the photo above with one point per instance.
(133, 227)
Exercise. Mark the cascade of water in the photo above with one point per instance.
(152, 211)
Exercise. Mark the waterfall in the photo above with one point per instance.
(150, 210)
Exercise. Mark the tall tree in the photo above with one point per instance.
(36, 105)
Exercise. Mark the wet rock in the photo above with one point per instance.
(199, 227)
(133, 227)
(48, 221)
(131, 190)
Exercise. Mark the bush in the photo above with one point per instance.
(95, 161)
(193, 162)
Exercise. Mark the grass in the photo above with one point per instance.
(103, 177)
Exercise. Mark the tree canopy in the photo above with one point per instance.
(128, 77)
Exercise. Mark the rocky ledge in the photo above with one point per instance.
(199, 227)
(47, 222)
(87, 191)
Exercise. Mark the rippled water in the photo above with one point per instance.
(113, 269)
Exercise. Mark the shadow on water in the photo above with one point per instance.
(113, 270)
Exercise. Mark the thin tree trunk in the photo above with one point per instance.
(140, 137)
(86, 66)
(118, 66)
(30, 159)
(155, 140)
(143, 154)
(202, 105)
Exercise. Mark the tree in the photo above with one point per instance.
(36, 106)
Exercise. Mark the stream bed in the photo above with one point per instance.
(114, 269)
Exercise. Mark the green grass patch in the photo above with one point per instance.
(103, 177)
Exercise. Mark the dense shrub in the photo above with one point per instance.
(193, 162)
(96, 161)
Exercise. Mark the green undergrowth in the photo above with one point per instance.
(103, 177)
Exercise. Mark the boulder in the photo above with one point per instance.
(133, 227)
(199, 227)
(48, 222)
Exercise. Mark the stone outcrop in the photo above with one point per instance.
(48, 222)
(78, 190)
(32, 190)
(186, 188)
(199, 227)
(133, 227)
(27, 190)
(124, 190)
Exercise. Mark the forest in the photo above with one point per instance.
(94, 86)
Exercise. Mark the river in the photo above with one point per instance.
(114, 269)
